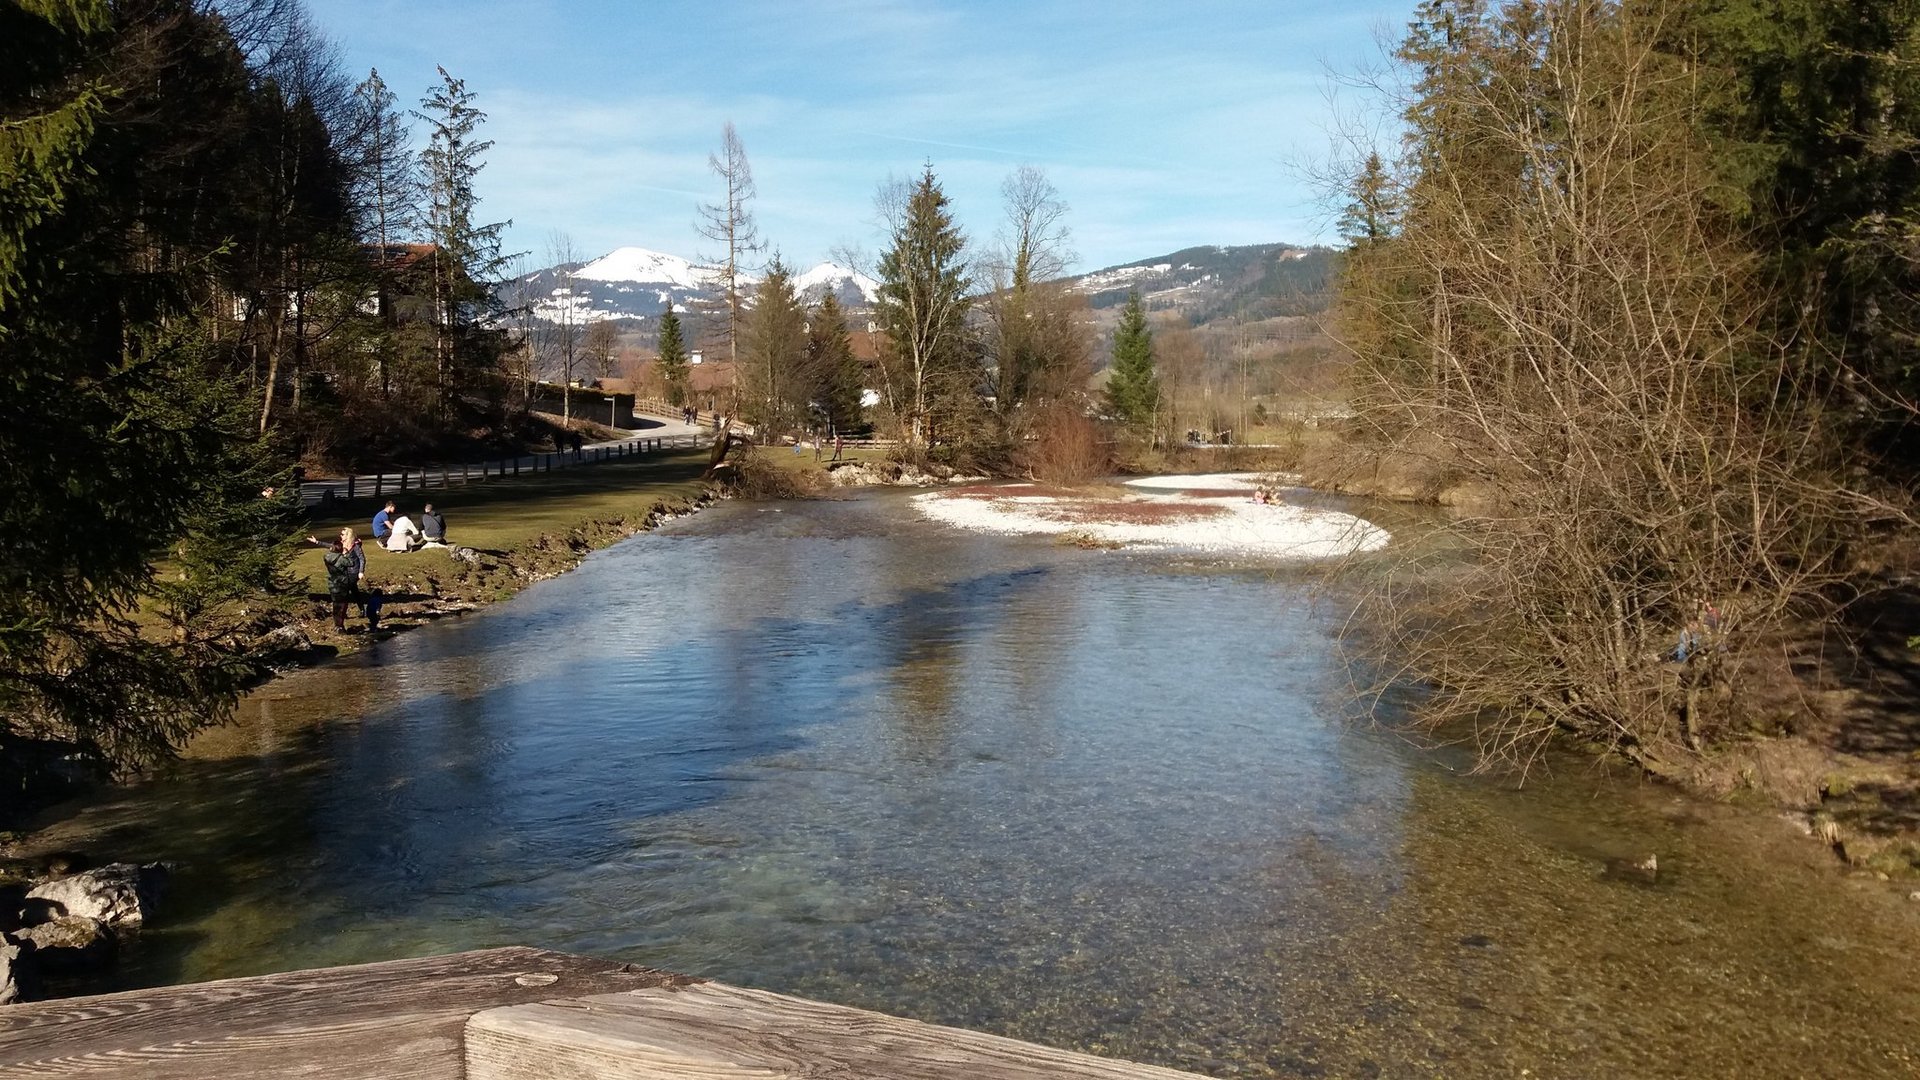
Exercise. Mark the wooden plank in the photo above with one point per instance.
(712, 1031)
(402, 1018)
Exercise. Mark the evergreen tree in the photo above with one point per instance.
(1133, 388)
(387, 195)
(834, 370)
(122, 429)
(673, 357)
(772, 349)
(923, 302)
(469, 255)
(1814, 120)
(1368, 219)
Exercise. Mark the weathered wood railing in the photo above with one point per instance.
(429, 477)
(503, 1014)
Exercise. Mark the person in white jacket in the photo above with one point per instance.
(405, 535)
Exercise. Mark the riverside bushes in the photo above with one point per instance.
(1564, 294)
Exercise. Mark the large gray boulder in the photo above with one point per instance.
(13, 971)
(121, 895)
(70, 943)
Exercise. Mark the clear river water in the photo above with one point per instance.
(1102, 800)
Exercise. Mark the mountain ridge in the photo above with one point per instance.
(1205, 282)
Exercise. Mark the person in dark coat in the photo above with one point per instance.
(433, 526)
(346, 565)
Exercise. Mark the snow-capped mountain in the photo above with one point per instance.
(1249, 281)
(851, 287)
(628, 284)
(636, 264)
(635, 284)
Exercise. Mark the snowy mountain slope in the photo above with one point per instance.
(851, 287)
(636, 264)
(636, 284)
(1247, 281)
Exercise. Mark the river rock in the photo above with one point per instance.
(285, 640)
(70, 943)
(16, 972)
(122, 895)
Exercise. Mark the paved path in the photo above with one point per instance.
(650, 436)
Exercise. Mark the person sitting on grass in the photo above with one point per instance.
(383, 523)
(405, 535)
(433, 526)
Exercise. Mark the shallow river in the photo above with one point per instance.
(1097, 800)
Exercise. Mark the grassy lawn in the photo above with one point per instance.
(501, 515)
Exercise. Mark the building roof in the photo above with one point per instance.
(397, 256)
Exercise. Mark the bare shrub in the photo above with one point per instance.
(750, 472)
(1066, 448)
(1564, 319)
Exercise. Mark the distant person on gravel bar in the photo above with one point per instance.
(383, 523)
(433, 526)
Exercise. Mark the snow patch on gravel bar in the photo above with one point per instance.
(1200, 524)
(1223, 481)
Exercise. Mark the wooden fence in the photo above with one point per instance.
(378, 485)
(656, 407)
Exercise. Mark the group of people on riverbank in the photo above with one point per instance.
(399, 533)
(346, 558)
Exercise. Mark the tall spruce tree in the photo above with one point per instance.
(833, 369)
(469, 256)
(924, 300)
(123, 429)
(1815, 117)
(1133, 387)
(773, 348)
(674, 367)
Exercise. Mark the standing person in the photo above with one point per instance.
(383, 523)
(346, 564)
(579, 443)
(839, 445)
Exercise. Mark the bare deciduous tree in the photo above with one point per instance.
(1563, 323)
(598, 349)
(560, 335)
(1041, 337)
(729, 223)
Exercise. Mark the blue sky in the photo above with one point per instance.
(1162, 124)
